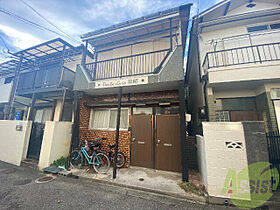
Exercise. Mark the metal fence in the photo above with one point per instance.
(242, 55)
(140, 64)
(273, 144)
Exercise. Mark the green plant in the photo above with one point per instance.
(63, 161)
(190, 187)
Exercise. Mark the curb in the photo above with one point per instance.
(188, 197)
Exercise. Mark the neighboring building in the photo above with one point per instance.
(233, 69)
(36, 85)
(145, 57)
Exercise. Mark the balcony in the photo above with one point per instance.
(249, 63)
(49, 78)
(151, 71)
(134, 65)
(255, 54)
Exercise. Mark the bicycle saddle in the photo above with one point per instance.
(93, 144)
(111, 146)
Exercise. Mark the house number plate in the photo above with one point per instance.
(167, 145)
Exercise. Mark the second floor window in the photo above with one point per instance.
(265, 27)
(107, 119)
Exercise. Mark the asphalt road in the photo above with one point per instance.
(18, 190)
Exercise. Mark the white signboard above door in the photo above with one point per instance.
(121, 82)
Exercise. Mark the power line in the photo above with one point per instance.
(49, 22)
(4, 42)
(29, 22)
(26, 21)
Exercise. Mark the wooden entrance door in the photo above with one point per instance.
(168, 152)
(141, 142)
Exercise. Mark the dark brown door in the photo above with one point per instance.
(236, 116)
(141, 142)
(168, 153)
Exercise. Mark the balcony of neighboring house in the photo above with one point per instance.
(45, 73)
(257, 58)
(44, 68)
(48, 78)
(145, 53)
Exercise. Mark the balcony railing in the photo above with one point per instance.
(242, 55)
(140, 64)
(45, 78)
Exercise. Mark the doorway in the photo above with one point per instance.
(37, 132)
(155, 142)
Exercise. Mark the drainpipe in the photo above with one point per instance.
(183, 129)
(205, 79)
(202, 78)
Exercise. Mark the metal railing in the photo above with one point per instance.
(273, 146)
(242, 55)
(140, 64)
(45, 78)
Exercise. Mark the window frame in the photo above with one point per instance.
(90, 127)
(268, 25)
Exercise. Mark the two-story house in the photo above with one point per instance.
(37, 86)
(233, 69)
(144, 58)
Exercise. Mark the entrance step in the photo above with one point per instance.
(30, 163)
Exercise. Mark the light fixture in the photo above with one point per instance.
(251, 5)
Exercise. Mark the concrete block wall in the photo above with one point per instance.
(229, 145)
(124, 138)
(220, 158)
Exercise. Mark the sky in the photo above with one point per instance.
(74, 17)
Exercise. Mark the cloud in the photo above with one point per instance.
(115, 11)
(20, 39)
(78, 17)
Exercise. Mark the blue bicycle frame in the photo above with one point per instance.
(88, 158)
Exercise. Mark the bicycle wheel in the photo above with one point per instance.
(76, 159)
(121, 159)
(101, 163)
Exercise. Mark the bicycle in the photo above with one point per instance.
(121, 159)
(98, 160)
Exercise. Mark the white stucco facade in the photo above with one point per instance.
(234, 52)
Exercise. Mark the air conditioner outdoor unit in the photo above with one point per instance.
(275, 93)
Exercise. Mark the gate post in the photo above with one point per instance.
(183, 128)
